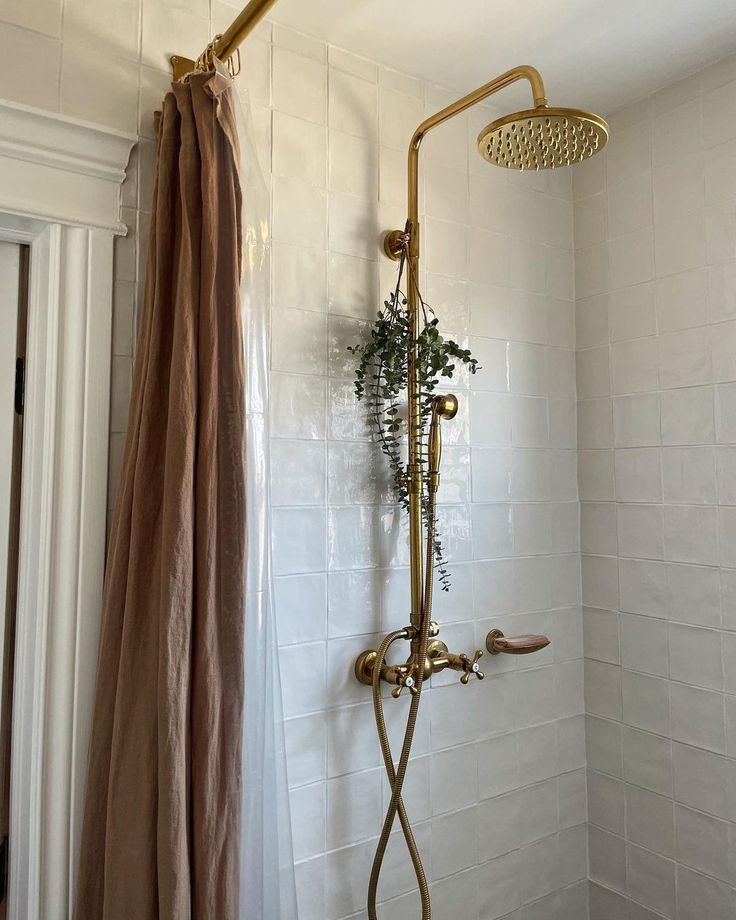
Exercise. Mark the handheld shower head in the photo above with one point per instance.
(542, 138)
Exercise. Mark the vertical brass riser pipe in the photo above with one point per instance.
(415, 468)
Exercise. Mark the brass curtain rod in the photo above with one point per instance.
(228, 43)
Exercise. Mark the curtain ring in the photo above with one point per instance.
(204, 61)
(231, 66)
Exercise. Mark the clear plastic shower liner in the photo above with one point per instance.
(268, 890)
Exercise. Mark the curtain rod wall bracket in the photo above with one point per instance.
(181, 66)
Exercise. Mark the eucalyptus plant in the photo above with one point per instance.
(381, 378)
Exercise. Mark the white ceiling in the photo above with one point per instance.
(598, 54)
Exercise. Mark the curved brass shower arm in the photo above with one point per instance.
(395, 240)
(523, 72)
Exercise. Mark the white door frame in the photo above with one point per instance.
(11, 310)
(59, 193)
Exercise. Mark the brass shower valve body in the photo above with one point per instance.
(402, 676)
(439, 658)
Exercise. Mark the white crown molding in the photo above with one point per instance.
(53, 166)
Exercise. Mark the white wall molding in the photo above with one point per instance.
(60, 167)
(59, 193)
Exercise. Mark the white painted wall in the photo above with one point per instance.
(655, 232)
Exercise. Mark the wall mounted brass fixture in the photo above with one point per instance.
(438, 658)
(404, 675)
(537, 138)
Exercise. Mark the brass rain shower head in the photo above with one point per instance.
(542, 138)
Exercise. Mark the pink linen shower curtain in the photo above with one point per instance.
(161, 833)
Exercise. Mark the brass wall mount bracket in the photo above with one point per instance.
(363, 666)
(181, 66)
(395, 243)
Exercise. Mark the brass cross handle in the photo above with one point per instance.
(496, 642)
(406, 680)
(470, 667)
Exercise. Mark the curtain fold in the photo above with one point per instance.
(162, 828)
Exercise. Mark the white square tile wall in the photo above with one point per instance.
(655, 245)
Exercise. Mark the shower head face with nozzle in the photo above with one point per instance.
(542, 138)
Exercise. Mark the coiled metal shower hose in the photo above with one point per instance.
(396, 777)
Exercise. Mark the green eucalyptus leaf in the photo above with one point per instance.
(381, 377)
